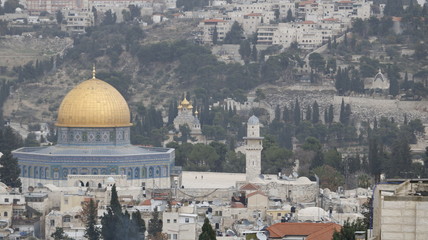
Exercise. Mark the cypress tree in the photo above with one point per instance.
(296, 113)
(139, 222)
(215, 36)
(91, 231)
(155, 224)
(331, 114)
(208, 232)
(277, 113)
(326, 116)
(286, 115)
(9, 173)
(315, 113)
(342, 112)
(308, 115)
(254, 55)
(114, 202)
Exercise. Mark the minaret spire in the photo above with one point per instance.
(93, 71)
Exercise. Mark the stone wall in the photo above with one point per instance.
(404, 217)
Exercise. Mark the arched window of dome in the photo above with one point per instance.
(150, 172)
(137, 173)
(158, 171)
(36, 172)
(64, 172)
(30, 173)
(94, 171)
(47, 172)
(130, 175)
(144, 172)
(42, 173)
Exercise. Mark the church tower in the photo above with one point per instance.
(253, 149)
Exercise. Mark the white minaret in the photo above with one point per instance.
(253, 149)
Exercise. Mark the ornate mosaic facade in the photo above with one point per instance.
(91, 145)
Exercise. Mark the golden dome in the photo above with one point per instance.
(94, 103)
(180, 107)
(190, 106)
(185, 102)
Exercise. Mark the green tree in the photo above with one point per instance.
(155, 225)
(234, 36)
(317, 62)
(347, 232)
(91, 231)
(140, 224)
(11, 5)
(31, 140)
(254, 55)
(296, 113)
(202, 158)
(59, 17)
(208, 232)
(9, 172)
(245, 51)
(109, 18)
(114, 202)
(215, 35)
(289, 17)
(315, 113)
(59, 234)
(329, 177)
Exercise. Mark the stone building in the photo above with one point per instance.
(93, 129)
(400, 209)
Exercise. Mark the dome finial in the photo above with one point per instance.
(93, 71)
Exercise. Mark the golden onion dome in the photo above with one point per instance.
(94, 103)
(190, 107)
(185, 102)
(180, 107)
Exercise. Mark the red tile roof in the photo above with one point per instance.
(146, 202)
(306, 2)
(249, 186)
(345, 1)
(313, 231)
(396, 19)
(237, 205)
(331, 19)
(307, 22)
(255, 193)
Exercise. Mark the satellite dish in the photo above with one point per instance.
(261, 236)
(30, 188)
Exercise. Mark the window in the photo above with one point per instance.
(186, 220)
(175, 220)
(5, 214)
(66, 219)
(6, 200)
(278, 214)
(168, 221)
(52, 223)
(174, 236)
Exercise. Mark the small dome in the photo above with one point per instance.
(94, 103)
(253, 120)
(110, 180)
